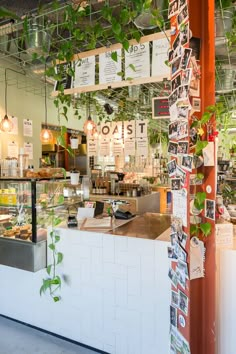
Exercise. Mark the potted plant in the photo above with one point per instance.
(223, 17)
(74, 141)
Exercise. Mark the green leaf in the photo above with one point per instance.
(193, 230)
(124, 16)
(49, 268)
(5, 13)
(61, 199)
(116, 27)
(125, 44)
(200, 145)
(114, 56)
(57, 238)
(56, 298)
(205, 228)
(200, 176)
(132, 67)
(194, 124)
(59, 257)
(51, 246)
(205, 118)
(200, 196)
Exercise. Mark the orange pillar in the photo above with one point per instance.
(202, 291)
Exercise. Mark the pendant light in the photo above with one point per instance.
(6, 124)
(46, 136)
(89, 124)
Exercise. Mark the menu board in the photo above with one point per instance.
(117, 147)
(108, 68)
(137, 61)
(142, 147)
(104, 147)
(160, 108)
(28, 148)
(14, 121)
(106, 130)
(28, 127)
(160, 48)
(92, 146)
(129, 147)
(85, 72)
(12, 149)
(116, 130)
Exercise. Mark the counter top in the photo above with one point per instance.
(149, 226)
(118, 197)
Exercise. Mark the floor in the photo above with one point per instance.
(16, 338)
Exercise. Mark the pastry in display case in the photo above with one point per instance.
(25, 209)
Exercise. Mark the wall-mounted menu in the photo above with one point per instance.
(104, 147)
(108, 68)
(92, 146)
(160, 49)
(28, 127)
(117, 147)
(142, 147)
(28, 148)
(137, 61)
(129, 147)
(85, 72)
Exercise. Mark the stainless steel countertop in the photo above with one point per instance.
(148, 226)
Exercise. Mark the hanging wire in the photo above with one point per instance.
(45, 97)
(6, 92)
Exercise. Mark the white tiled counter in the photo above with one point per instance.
(117, 299)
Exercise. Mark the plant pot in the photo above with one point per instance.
(74, 143)
(38, 40)
(74, 177)
(225, 80)
(223, 22)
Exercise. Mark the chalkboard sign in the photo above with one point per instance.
(160, 108)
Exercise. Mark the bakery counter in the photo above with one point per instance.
(136, 205)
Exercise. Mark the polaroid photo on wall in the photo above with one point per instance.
(173, 8)
(182, 130)
(183, 92)
(176, 224)
(173, 316)
(183, 239)
(193, 180)
(187, 161)
(182, 16)
(195, 80)
(193, 137)
(172, 129)
(171, 254)
(182, 255)
(173, 98)
(172, 148)
(182, 112)
(182, 175)
(183, 302)
(183, 147)
(185, 58)
(173, 277)
(174, 238)
(175, 184)
(182, 3)
(181, 279)
(176, 82)
(210, 209)
(183, 267)
(171, 168)
(196, 104)
(174, 298)
(170, 55)
(186, 77)
(175, 66)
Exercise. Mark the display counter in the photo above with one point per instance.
(116, 298)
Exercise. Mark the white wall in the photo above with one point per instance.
(22, 104)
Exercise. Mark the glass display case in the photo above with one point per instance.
(25, 209)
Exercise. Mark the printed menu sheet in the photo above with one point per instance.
(28, 127)
(85, 72)
(109, 68)
(137, 61)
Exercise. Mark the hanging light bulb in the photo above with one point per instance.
(89, 124)
(6, 124)
(46, 136)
